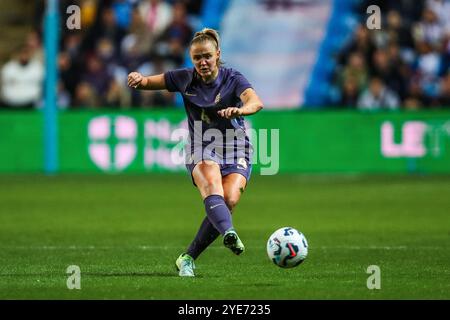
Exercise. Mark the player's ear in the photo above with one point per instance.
(218, 55)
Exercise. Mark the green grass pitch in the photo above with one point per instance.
(125, 232)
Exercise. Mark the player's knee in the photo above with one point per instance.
(231, 202)
(212, 187)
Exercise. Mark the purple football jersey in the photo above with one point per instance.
(202, 101)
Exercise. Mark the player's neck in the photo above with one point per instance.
(212, 77)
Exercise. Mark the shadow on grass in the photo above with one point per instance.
(95, 274)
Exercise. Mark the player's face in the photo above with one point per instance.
(204, 56)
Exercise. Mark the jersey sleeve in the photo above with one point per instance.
(177, 80)
(241, 83)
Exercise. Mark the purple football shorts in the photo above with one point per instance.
(244, 169)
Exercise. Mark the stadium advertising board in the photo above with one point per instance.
(290, 141)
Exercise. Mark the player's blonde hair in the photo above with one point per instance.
(208, 34)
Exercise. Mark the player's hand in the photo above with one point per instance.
(230, 113)
(135, 79)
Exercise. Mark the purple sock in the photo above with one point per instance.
(218, 213)
(205, 236)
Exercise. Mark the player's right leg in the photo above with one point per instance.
(205, 235)
(185, 265)
(208, 178)
(233, 185)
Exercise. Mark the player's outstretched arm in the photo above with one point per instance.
(251, 104)
(138, 81)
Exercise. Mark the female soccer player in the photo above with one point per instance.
(218, 152)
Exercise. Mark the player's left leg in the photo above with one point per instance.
(233, 186)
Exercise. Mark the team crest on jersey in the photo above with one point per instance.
(218, 97)
(242, 164)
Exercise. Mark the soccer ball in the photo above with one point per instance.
(287, 247)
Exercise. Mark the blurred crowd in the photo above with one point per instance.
(404, 65)
(115, 38)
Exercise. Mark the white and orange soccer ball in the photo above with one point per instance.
(287, 247)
